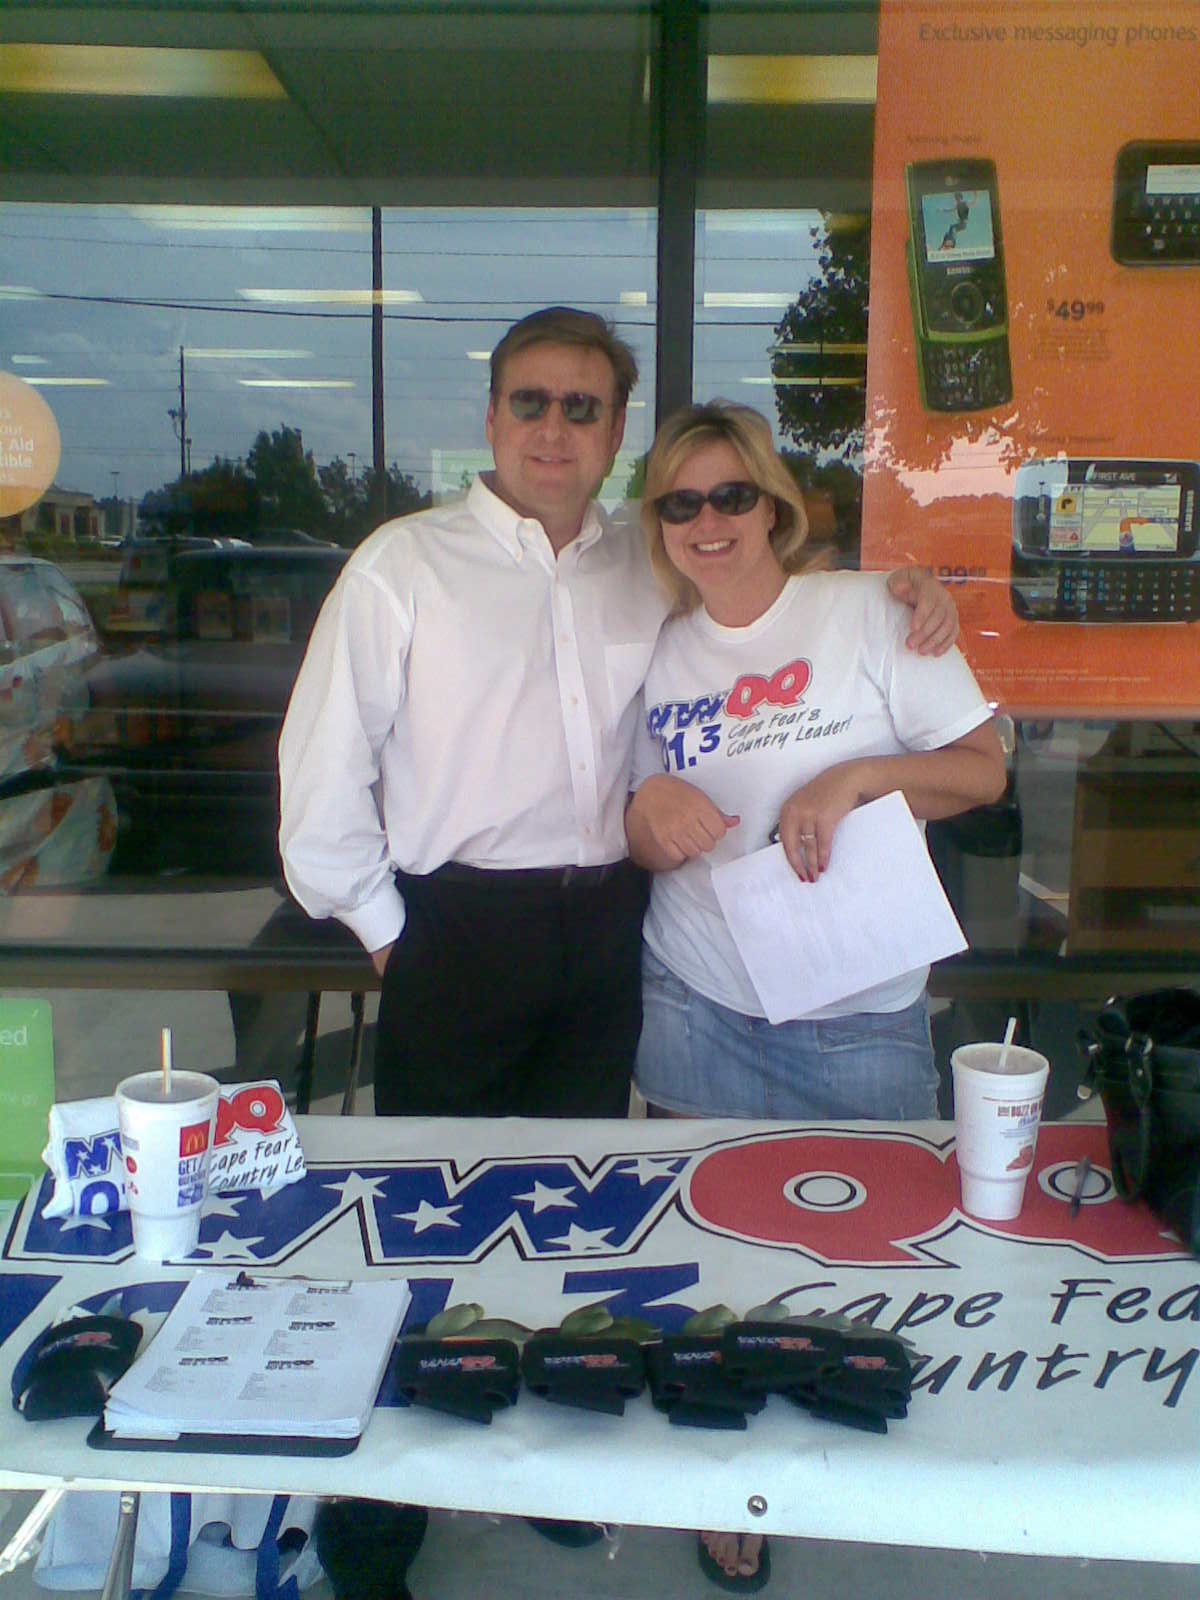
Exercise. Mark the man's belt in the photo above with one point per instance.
(528, 877)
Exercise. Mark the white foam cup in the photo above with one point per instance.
(166, 1138)
(996, 1119)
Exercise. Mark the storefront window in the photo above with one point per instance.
(187, 262)
(980, 401)
(216, 417)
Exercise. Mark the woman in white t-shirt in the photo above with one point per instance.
(779, 698)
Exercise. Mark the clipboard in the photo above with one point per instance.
(237, 1444)
(258, 1366)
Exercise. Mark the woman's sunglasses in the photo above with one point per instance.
(531, 405)
(730, 499)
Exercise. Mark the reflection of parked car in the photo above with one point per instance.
(51, 831)
(262, 538)
(140, 604)
(187, 723)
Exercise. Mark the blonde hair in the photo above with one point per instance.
(749, 433)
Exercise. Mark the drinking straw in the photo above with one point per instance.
(1008, 1039)
(166, 1060)
(1081, 1178)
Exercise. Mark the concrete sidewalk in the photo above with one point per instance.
(468, 1557)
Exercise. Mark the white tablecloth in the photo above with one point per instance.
(1058, 1411)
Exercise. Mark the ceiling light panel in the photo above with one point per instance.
(716, 299)
(792, 80)
(340, 297)
(255, 219)
(143, 71)
(296, 383)
(201, 354)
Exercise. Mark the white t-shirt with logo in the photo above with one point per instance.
(751, 714)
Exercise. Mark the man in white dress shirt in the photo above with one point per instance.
(455, 759)
(466, 714)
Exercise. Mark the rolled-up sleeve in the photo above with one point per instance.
(343, 707)
(647, 752)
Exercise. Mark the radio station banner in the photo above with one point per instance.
(1064, 1343)
(1035, 298)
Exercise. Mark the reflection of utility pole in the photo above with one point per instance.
(179, 421)
(353, 465)
(116, 478)
(379, 486)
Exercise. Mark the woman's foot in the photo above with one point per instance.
(738, 1562)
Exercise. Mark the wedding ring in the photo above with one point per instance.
(808, 836)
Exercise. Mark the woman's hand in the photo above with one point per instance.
(934, 626)
(670, 821)
(936, 783)
(808, 818)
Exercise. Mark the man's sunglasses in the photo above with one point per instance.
(531, 405)
(730, 499)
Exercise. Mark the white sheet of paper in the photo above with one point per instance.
(878, 910)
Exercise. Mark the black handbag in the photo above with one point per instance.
(1143, 1055)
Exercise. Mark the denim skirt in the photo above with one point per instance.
(704, 1060)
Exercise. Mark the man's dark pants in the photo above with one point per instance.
(513, 993)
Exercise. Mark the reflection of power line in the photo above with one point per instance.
(393, 216)
(230, 452)
(502, 319)
(120, 449)
(187, 303)
(440, 376)
(433, 251)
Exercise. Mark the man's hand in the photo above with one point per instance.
(669, 821)
(935, 616)
(809, 816)
(379, 958)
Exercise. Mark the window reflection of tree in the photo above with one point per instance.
(819, 364)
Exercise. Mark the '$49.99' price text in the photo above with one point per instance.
(1075, 310)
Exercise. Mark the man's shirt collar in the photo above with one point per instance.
(512, 530)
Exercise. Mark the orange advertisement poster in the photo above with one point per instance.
(1033, 408)
(30, 446)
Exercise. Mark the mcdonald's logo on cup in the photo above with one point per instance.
(193, 1139)
(170, 1128)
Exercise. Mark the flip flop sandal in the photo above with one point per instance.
(737, 1583)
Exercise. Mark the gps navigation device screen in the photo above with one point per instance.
(1108, 519)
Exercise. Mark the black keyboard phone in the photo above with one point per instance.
(1105, 540)
(1156, 204)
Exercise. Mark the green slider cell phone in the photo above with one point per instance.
(956, 285)
(1156, 204)
(1106, 541)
